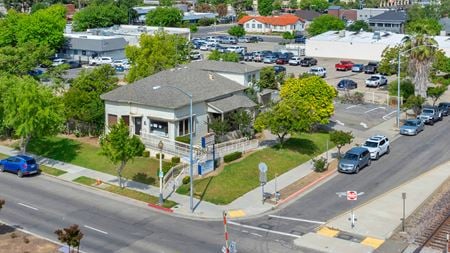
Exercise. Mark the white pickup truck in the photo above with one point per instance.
(100, 60)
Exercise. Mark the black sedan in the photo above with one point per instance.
(308, 61)
(279, 69)
(347, 84)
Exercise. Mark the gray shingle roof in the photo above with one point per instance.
(203, 86)
(97, 45)
(390, 16)
(232, 103)
(307, 14)
(222, 66)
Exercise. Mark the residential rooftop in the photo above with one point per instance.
(222, 66)
(282, 20)
(392, 16)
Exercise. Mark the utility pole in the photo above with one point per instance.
(403, 219)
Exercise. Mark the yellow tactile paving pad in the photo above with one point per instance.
(328, 232)
(236, 213)
(372, 242)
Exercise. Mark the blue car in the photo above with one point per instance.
(20, 164)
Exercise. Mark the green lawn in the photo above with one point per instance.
(125, 192)
(44, 169)
(240, 177)
(71, 151)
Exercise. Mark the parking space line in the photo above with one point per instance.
(350, 107)
(385, 116)
(297, 219)
(95, 229)
(384, 108)
(28, 206)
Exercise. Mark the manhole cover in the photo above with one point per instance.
(344, 236)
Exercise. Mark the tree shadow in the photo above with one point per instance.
(143, 178)
(58, 149)
(4, 229)
(302, 146)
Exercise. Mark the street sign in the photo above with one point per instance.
(161, 173)
(352, 195)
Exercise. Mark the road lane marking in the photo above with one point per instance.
(363, 125)
(297, 219)
(387, 115)
(350, 107)
(263, 229)
(255, 234)
(95, 229)
(28, 206)
(384, 108)
(339, 122)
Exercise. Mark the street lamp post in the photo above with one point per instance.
(398, 78)
(161, 199)
(403, 218)
(191, 128)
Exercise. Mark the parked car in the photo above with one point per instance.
(295, 61)
(283, 59)
(429, 115)
(318, 71)
(58, 61)
(270, 59)
(445, 107)
(300, 39)
(194, 55)
(347, 84)
(20, 164)
(344, 65)
(358, 68)
(279, 69)
(100, 60)
(376, 81)
(260, 39)
(252, 39)
(412, 127)
(204, 47)
(74, 64)
(308, 62)
(371, 68)
(236, 49)
(243, 40)
(229, 40)
(354, 160)
(35, 72)
(377, 145)
(258, 57)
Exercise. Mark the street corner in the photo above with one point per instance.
(236, 213)
(372, 242)
(326, 231)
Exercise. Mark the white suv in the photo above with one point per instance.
(377, 145)
(318, 71)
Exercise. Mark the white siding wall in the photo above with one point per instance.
(200, 120)
(239, 78)
(347, 50)
(252, 26)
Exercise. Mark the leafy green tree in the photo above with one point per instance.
(32, 110)
(277, 4)
(325, 23)
(293, 4)
(358, 26)
(222, 10)
(9, 28)
(340, 138)
(82, 100)
(164, 16)
(19, 60)
(120, 147)
(71, 236)
(426, 26)
(237, 31)
(229, 56)
(288, 36)
(267, 78)
(388, 64)
(372, 3)
(265, 7)
(219, 127)
(242, 120)
(419, 12)
(316, 5)
(436, 92)
(406, 88)
(166, 3)
(94, 16)
(156, 53)
(414, 103)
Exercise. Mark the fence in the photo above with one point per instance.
(243, 145)
(174, 172)
(376, 97)
(171, 147)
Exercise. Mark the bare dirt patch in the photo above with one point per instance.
(15, 241)
(85, 139)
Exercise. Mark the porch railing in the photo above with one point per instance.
(171, 147)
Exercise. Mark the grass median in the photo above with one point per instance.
(124, 191)
(240, 177)
(141, 169)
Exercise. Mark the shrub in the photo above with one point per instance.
(157, 156)
(146, 153)
(206, 21)
(184, 139)
(320, 164)
(175, 160)
(355, 98)
(186, 180)
(193, 28)
(233, 156)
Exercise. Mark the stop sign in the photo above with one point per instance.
(352, 195)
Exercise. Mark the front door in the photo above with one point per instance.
(137, 125)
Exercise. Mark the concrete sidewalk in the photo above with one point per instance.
(377, 219)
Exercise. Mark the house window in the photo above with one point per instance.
(380, 24)
(247, 25)
(387, 25)
(253, 25)
(126, 119)
(292, 27)
(112, 119)
(259, 26)
(83, 52)
(75, 51)
(160, 128)
(372, 24)
(267, 26)
(183, 127)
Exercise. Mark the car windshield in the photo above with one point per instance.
(427, 111)
(350, 156)
(374, 78)
(31, 161)
(371, 144)
(314, 70)
(410, 123)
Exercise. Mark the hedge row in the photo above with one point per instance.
(233, 156)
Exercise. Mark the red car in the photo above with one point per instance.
(344, 65)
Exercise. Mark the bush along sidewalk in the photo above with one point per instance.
(137, 195)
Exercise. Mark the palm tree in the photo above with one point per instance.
(421, 54)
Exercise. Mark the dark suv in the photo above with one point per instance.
(444, 107)
(371, 68)
(308, 62)
(354, 160)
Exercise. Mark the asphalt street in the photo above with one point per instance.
(410, 156)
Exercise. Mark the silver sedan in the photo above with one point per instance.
(412, 127)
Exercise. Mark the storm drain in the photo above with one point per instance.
(350, 237)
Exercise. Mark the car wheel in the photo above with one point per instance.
(388, 150)
(357, 170)
(431, 122)
(377, 156)
(19, 173)
(2, 168)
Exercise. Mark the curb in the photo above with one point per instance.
(295, 194)
(165, 209)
